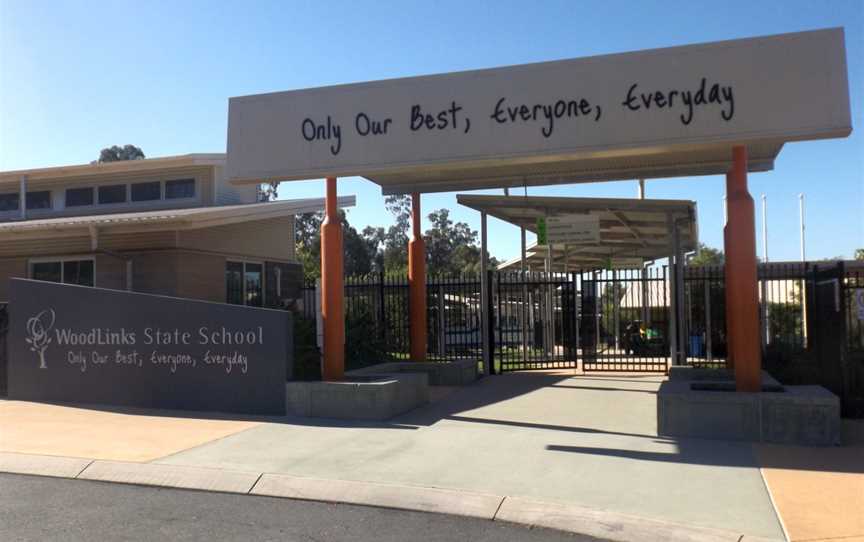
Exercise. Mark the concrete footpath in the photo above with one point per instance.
(570, 452)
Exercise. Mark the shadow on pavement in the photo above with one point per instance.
(550, 427)
(722, 453)
(598, 388)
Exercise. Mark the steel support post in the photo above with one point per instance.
(484, 297)
(709, 351)
(523, 308)
(673, 291)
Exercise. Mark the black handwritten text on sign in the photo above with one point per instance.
(503, 111)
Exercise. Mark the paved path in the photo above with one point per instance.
(37, 509)
(585, 440)
(123, 434)
(819, 492)
(584, 443)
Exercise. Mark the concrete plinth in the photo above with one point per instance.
(808, 415)
(450, 373)
(377, 397)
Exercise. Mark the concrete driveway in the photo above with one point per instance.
(554, 437)
(587, 440)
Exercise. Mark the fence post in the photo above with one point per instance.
(708, 345)
(382, 311)
(485, 297)
(616, 310)
(442, 339)
(319, 325)
(490, 324)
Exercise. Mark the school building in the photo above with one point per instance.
(170, 226)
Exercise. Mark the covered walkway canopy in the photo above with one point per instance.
(631, 231)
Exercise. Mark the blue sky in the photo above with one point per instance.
(79, 76)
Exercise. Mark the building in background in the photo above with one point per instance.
(170, 226)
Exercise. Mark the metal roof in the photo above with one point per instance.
(656, 163)
(165, 219)
(632, 231)
(113, 168)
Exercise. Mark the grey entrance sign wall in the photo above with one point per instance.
(90, 345)
(656, 113)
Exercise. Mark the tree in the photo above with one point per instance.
(451, 248)
(268, 191)
(118, 154)
(707, 256)
(859, 254)
(395, 240)
(359, 251)
(307, 242)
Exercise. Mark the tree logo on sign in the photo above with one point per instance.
(38, 329)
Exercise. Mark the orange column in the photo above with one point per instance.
(417, 283)
(332, 291)
(742, 321)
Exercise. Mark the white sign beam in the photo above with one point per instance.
(655, 113)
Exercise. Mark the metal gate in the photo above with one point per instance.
(829, 328)
(535, 321)
(624, 320)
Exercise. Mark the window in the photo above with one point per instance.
(72, 271)
(76, 197)
(146, 191)
(50, 271)
(180, 188)
(254, 279)
(39, 200)
(9, 202)
(115, 193)
(244, 283)
(234, 283)
(78, 272)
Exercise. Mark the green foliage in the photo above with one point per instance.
(785, 323)
(859, 254)
(707, 256)
(610, 299)
(450, 247)
(359, 250)
(365, 344)
(307, 357)
(118, 154)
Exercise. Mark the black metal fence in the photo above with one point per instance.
(852, 360)
(377, 317)
(534, 321)
(782, 312)
(624, 321)
(619, 321)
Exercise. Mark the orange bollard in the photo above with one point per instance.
(743, 320)
(417, 283)
(332, 289)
